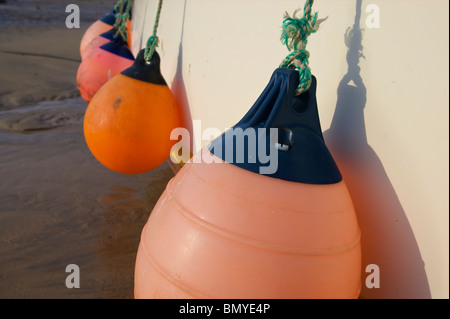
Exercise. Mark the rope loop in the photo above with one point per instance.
(152, 43)
(153, 40)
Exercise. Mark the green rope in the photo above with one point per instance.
(153, 40)
(123, 15)
(295, 36)
(116, 7)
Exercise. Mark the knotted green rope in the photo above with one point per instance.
(123, 9)
(153, 40)
(295, 36)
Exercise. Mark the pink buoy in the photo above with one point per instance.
(100, 40)
(98, 27)
(101, 65)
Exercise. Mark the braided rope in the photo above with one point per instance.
(153, 40)
(295, 36)
(123, 9)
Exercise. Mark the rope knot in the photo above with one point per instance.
(152, 43)
(153, 40)
(123, 10)
(295, 36)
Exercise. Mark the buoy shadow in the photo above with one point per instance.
(179, 92)
(387, 237)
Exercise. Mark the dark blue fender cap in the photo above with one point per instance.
(302, 155)
(147, 72)
(119, 47)
(109, 35)
(110, 18)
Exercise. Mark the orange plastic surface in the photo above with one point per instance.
(98, 68)
(129, 25)
(219, 231)
(94, 30)
(96, 43)
(128, 123)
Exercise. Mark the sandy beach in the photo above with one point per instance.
(58, 204)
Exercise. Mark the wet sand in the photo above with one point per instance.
(58, 204)
(39, 55)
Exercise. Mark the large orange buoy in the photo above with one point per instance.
(98, 27)
(128, 123)
(225, 230)
(101, 65)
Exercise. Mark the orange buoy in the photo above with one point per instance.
(128, 123)
(101, 65)
(222, 229)
(98, 27)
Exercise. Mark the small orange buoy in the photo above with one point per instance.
(222, 229)
(98, 27)
(101, 65)
(128, 123)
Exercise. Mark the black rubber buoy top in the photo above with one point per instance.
(118, 47)
(147, 72)
(302, 155)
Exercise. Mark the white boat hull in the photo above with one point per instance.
(388, 134)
